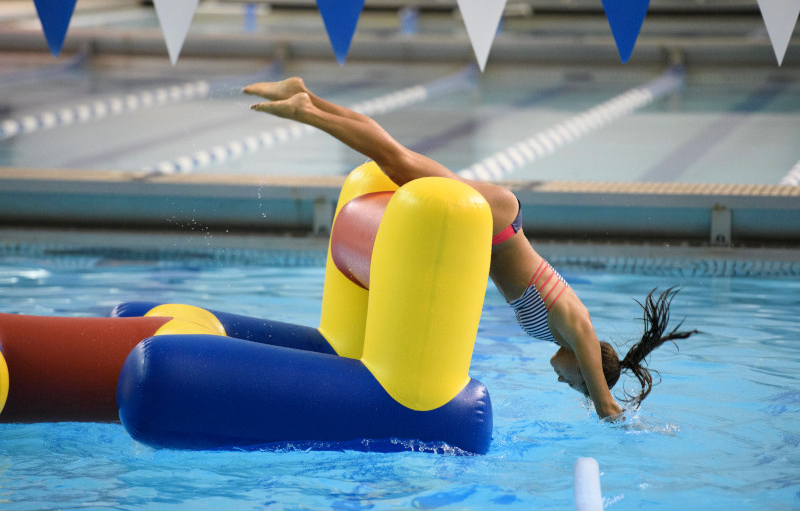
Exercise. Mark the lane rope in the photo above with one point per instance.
(124, 103)
(546, 142)
(292, 131)
(100, 109)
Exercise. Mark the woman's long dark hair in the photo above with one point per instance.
(656, 319)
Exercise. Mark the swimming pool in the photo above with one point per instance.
(723, 126)
(718, 433)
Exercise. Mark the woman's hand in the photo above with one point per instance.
(574, 326)
(610, 413)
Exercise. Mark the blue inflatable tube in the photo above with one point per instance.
(212, 392)
(248, 328)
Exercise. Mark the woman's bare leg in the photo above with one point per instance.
(366, 136)
(360, 133)
(356, 130)
(285, 89)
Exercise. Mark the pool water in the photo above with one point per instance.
(720, 432)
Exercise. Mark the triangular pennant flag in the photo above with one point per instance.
(340, 18)
(780, 17)
(55, 16)
(175, 17)
(481, 17)
(625, 18)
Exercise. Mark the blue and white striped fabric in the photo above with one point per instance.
(532, 313)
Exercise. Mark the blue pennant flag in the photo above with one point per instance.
(625, 18)
(55, 16)
(340, 18)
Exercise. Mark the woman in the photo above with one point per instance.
(545, 305)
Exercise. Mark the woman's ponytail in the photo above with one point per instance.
(656, 319)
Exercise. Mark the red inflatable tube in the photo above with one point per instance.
(353, 235)
(66, 369)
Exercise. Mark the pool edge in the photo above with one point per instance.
(722, 215)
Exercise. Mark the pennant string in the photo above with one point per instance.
(481, 19)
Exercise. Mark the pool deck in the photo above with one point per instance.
(140, 212)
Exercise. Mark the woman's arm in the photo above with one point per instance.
(574, 326)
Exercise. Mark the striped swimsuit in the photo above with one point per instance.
(529, 308)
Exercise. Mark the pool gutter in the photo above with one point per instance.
(721, 215)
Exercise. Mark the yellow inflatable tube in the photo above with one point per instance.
(428, 276)
(344, 303)
(3, 382)
(186, 319)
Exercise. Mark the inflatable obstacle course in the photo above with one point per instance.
(404, 287)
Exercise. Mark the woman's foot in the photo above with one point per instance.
(277, 91)
(292, 108)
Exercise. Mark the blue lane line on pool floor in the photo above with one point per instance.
(467, 128)
(675, 164)
(74, 62)
(104, 155)
(502, 163)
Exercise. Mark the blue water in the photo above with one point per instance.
(719, 433)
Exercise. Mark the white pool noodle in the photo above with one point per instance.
(587, 485)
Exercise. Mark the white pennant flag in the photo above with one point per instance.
(175, 17)
(481, 17)
(780, 17)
